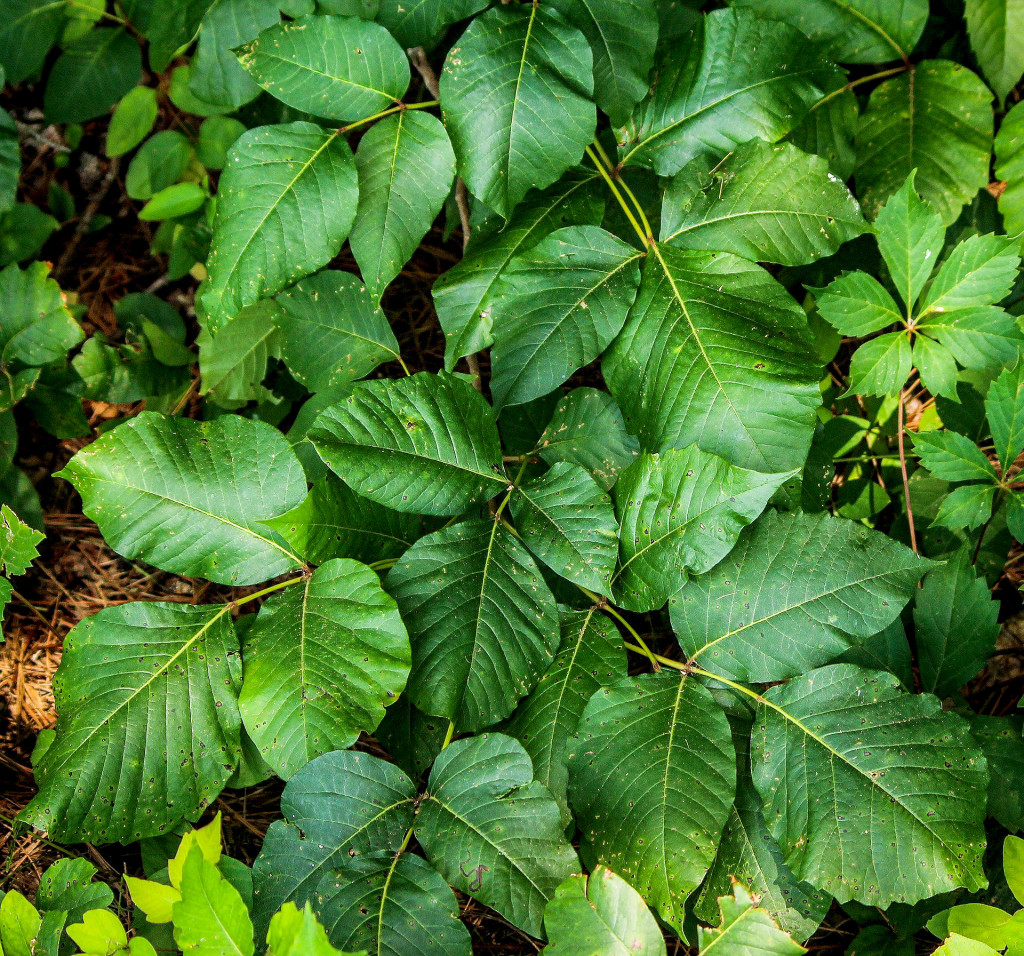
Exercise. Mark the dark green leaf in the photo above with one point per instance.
(828, 130)
(1009, 147)
(158, 164)
(1004, 407)
(969, 506)
(36, 326)
(423, 22)
(233, 361)
(28, 30)
(92, 74)
(995, 30)
(1000, 739)
(978, 272)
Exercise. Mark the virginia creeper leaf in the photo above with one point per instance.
(857, 304)
(953, 457)
(1004, 407)
(979, 271)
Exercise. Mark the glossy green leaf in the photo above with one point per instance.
(36, 327)
(768, 203)
(857, 304)
(217, 134)
(890, 816)
(557, 307)
(390, 903)
(210, 919)
(342, 805)
(829, 128)
(168, 26)
(910, 237)
(149, 731)
(18, 543)
(424, 22)
(938, 121)
(567, 521)
(482, 621)
(851, 31)
(132, 120)
(426, 444)
(969, 506)
(881, 366)
(100, 932)
(622, 35)
(602, 914)
(406, 167)
(334, 522)
(795, 593)
(288, 189)
(590, 656)
(91, 75)
(587, 429)
(996, 29)
(28, 31)
(652, 774)
(233, 361)
(1009, 149)
(953, 457)
(322, 662)
(189, 496)
(1004, 407)
(295, 932)
(341, 68)
(746, 930)
(985, 337)
(492, 831)
(979, 271)
(680, 513)
(716, 352)
(936, 365)
(732, 78)
(464, 295)
(955, 625)
(332, 330)
(67, 888)
(515, 98)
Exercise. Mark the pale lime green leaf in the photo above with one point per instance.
(295, 932)
(1013, 865)
(189, 496)
(19, 925)
(99, 933)
(211, 919)
(515, 98)
(18, 543)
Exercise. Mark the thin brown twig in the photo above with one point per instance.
(903, 469)
(87, 217)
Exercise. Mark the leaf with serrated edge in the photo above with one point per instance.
(37, 328)
(746, 929)
(482, 621)
(995, 28)
(295, 932)
(796, 592)
(1004, 407)
(189, 496)
(211, 918)
(680, 513)
(492, 831)
(953, 457)
(872, 793)
(151, 727)
(321, 662)
(857, 304)
(716, 352)
(426, 444)
(652, 774)
(979, 271)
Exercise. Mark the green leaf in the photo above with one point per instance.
(132, 120)
(746, 929)
(567, 521)
(587, 429)
(937, 367)
(764, 202)
(1013, 864)
(652, 775)
(217, 134)
(163, 158)
(389, 904)
(857, 304)
(149, 731)
(732, 78)
(680, 513)
(515, 98)
(851, 31)
(233, 361)
(210, 919)
(985, 338)
(295, 932)
(828, 130)
(322, 662)
(189, 496)
(342, 805)
(464, 295)
(28, 30)
(747, 853)
(589, 657)
(425, 444)
(953, 457)
(969, 506)
(936, 118)
(812, 587)
(36, 327)
(91, 75)
(603, 914)
(483, 623)
(169, 27)
(890, 817)
(996, 28)
(1009, 148)
(955, 623)
(19, 924)
(18, 543)
(67, 887)
(99, 933)
(177, 200)
(1000, 739)
(622, 38)
(10, 158)
(424, 22)
(341, 68)
(1004, 407)
(288, 189)
(334, 522)
(412, 739)
(881, 366)
(332, 330)
(962, 946)
(716, 351)
(979, 271)
(217, 78)
(910, 237)
(484, 811)
(562, 303)
(406, 167)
